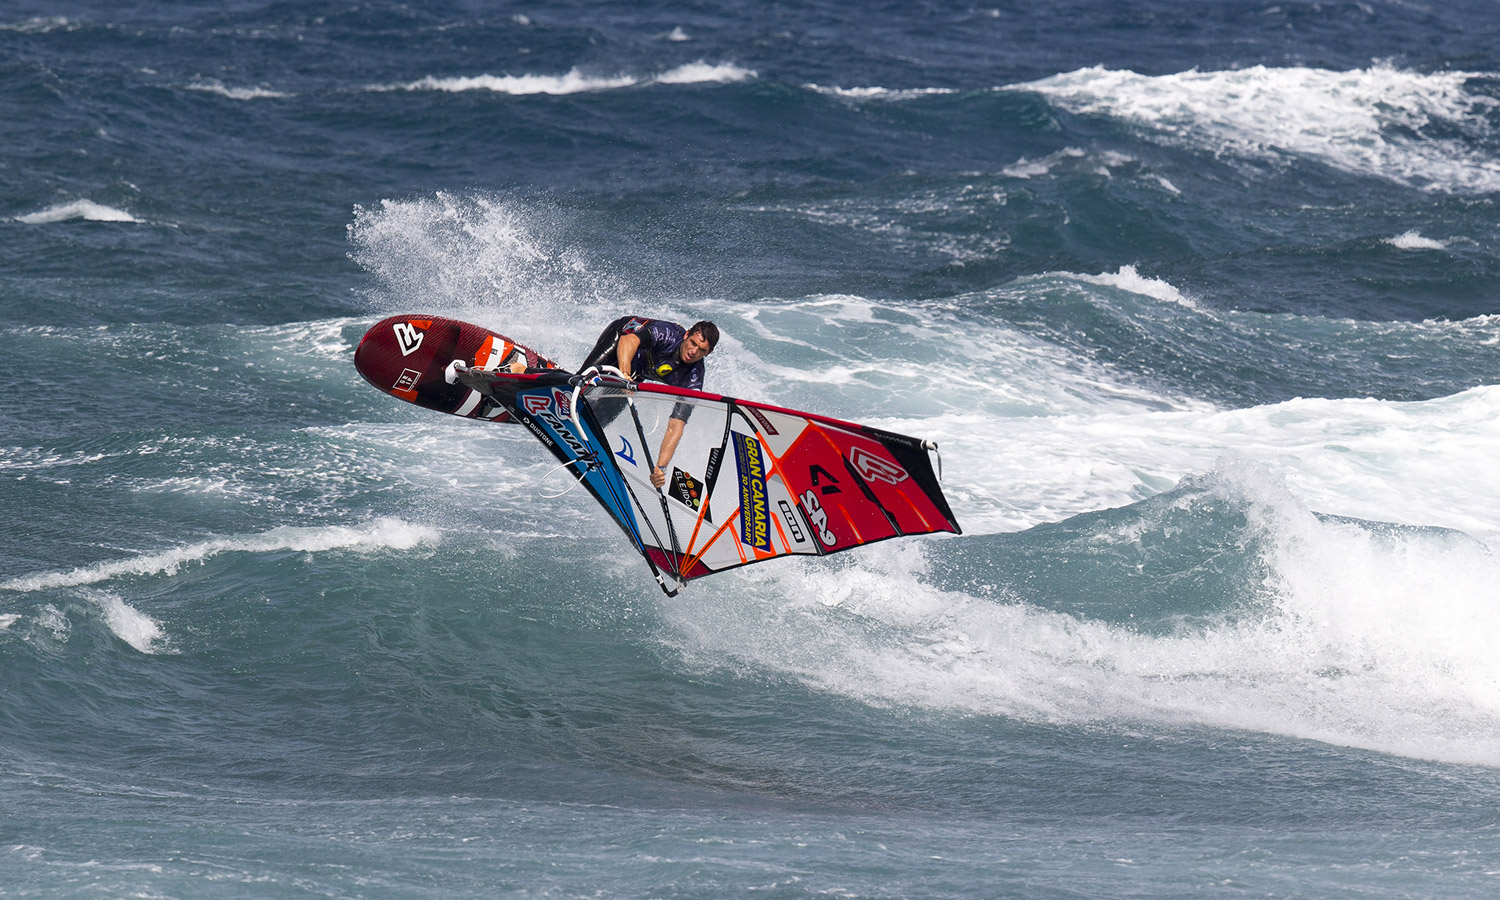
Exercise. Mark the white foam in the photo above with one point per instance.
(235, 93)
(320, 339)
(1413, 240)
(1102, 163)
(197, 484)
(878, 93)
(1358, 638)
(846, 366)
(701, 72)
(573, 82)
(54, 622)
(380, 534)
(1367, 121)
(128, 623)
(902, 223)
(678, 35)
(87, 210)
(1025, 168)
(576, 82)
(1127, 278)
(1368, 459)
(37, 458)
(40, 25)
(8, 620)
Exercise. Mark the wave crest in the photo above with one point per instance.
(1381, 121)
(574, 81)
(86, 210)
(381, 534)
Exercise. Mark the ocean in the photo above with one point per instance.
(1198, 299)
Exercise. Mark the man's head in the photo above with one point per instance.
(698, 342)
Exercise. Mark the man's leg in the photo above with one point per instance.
(604, 348)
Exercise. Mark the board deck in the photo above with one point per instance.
(407, 356)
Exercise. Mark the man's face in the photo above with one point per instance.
(693, 348)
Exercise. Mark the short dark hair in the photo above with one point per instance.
(710, 333)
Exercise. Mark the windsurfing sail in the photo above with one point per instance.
(748, 482)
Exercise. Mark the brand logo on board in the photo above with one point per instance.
(407, 381)
(408, 338)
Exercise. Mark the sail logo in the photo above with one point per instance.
(791, 521)
(817, 517)
(408, 338)
(755, 511)
(872, 468)
(626, 452)
(540, 406)
(765, 423)
(536, 403)
(689, 490)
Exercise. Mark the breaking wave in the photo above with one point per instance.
(1421, 130)
(575, 81)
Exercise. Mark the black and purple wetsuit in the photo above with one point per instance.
(656, 358)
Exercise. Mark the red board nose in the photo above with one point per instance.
(406, 355)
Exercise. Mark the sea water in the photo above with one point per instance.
(1198, 300)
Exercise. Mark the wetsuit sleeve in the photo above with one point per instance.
(692, 381)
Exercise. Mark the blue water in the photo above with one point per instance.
(1198, 299)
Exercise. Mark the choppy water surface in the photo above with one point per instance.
(1198, 300)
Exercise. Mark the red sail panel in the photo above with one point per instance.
(882, 476)
(855, 490)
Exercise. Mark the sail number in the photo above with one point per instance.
(818, 516)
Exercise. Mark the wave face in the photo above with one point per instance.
(1200, 310)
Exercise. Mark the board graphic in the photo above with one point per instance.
(408, 357)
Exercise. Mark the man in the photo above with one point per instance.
(658, 350)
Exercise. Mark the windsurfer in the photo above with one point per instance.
(657, 350)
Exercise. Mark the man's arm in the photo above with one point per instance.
(668, 447)
(625, 349)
